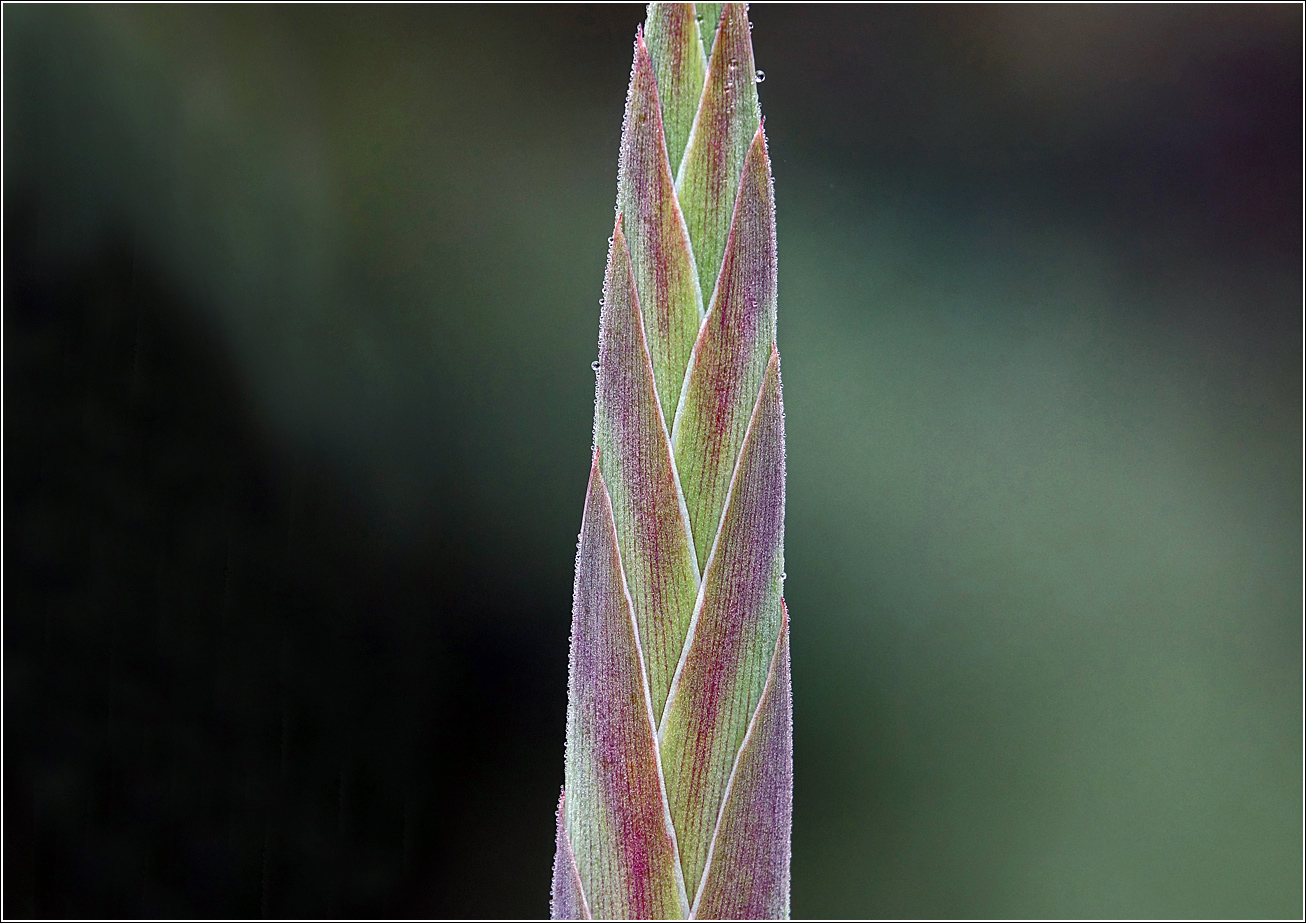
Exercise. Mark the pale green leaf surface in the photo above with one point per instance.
(665, 276)
(727, 119)
(748, 860)
(732, 638)
(680, 65)
(730, 355)
(635, 458)
(679, 770)
(614, 806)
(708, 16)
(568, 898)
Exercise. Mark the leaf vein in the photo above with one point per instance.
(734, 770)
(711, 559)
(682, 891)
(571, 854)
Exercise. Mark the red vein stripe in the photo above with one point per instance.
(747, 875)
(732, 637)
(615, 810)
(727, 118)
(651, 520)
(679, 739)
(568, 895)
(680, 64)
(730, 355)
(660, 254)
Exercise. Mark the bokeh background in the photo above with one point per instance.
(299, 310)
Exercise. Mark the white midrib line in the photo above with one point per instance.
(711, 558)
(653, 722)
(734, 771)
(681, 891)
(575, 869)
(662, 420)
(701, 313)
(693, 126)
(705, 310)
(693, 630)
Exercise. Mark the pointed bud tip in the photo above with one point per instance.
(773, 362)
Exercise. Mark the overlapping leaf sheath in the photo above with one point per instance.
(678, 793)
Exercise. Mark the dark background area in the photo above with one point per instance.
(299, 306)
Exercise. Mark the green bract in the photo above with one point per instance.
(679, 769)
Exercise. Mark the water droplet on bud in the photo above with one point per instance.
(761, 75)
(595, 365)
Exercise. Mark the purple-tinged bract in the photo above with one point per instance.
(679, 772)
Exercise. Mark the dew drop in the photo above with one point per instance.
(761, 75)
(595, 365)
(783, 577)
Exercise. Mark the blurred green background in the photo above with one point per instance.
(300, 304)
